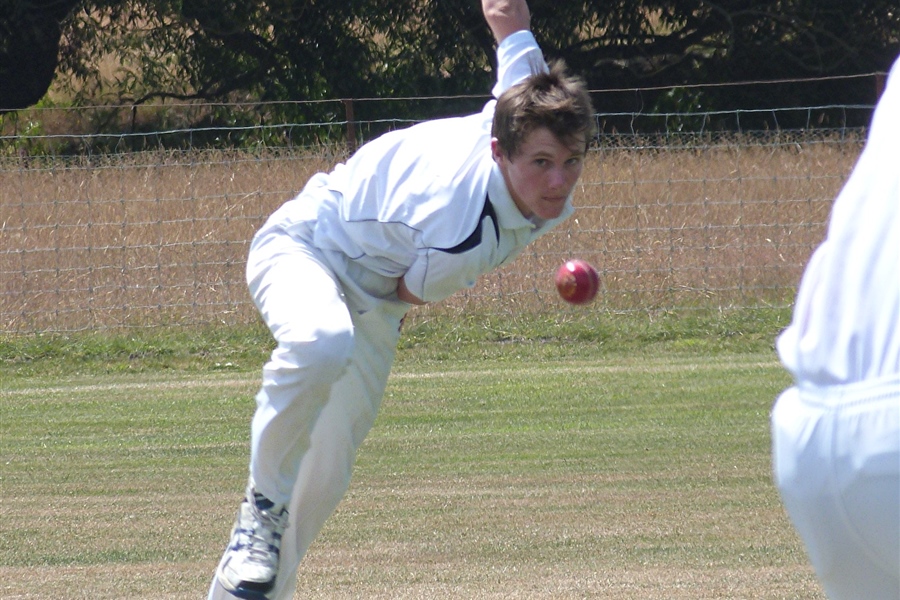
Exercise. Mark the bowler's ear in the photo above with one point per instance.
(496, 151)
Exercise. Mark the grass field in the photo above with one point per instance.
(500, 467)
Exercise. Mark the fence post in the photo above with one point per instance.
(879, 85)
(351, 124)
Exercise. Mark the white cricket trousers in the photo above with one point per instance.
(836, 457)
(321, 389)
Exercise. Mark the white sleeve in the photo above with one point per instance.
(518, 57)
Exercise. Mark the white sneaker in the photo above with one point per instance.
(250, 564)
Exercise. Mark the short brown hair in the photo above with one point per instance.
(554, 99)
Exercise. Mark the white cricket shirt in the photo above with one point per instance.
(847, 311)
(427, 202)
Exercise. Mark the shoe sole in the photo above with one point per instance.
(243, 593)
(247, 594)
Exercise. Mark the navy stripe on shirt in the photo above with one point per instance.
(475, 237)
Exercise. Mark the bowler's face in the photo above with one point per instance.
(542, 174)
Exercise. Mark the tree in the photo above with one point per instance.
(29, 45)
(670, 43)
(314, 49)
(280, 50)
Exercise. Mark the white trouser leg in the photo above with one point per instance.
(341, 428)
(300, 300)
(836, 457)
(337, 427)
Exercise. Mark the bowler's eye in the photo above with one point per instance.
(541, 162)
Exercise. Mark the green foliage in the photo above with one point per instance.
(27, 133)
(682, 110)
(144, 51)
(261, 52)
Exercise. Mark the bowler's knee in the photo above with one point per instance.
(324, 355)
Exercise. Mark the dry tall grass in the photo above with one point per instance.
(153, 239)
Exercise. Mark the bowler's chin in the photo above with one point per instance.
(551, 208)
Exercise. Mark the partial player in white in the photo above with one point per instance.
(836, 432)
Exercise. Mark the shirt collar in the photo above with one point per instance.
(508, 214)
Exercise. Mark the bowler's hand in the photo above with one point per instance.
(405, 295)
(506, 17)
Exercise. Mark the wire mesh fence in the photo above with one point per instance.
(673, 220)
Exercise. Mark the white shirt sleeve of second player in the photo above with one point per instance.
(518, 57)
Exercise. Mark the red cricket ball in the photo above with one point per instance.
(577, 281)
